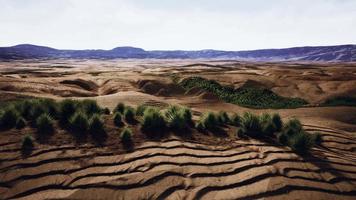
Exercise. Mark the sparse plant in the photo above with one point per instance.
(96, 129)
(236, 120)
(9, 118)
(27, 145)
(174, 118)
(153, 122)
(90, 107)
(251, 125)
(106, 111)
(44, 125)
(317, 138)
(277, 121)
(129, 114)
(292, 127)
(301, 143)
(209, 121)
(223, 118)
(141, 109)
(21, 123)
(67, 108)
(126, 136)
(79, 123)
(118, 119)
(120, 107)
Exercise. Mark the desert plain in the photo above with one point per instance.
(198, 166)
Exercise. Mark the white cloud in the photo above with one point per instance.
(184, 24)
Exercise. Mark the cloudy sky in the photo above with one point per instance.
(177, 24)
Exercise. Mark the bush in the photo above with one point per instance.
(141, 109)
(120, 108)
(118, 119)
(301, 143)
(106, 111)
(21, 123)
(96, 129)
(292, 127)
(187, 115)
(277, 121)
(209, 121)
(223, 118)
(90, 107)
(236, 120)
(267, 124)
(126, 136)
(282, 138)
(153, 122)
(9, 118)
(129, 114)
(200, 126)
(317, 138)
(251, 125)
(50, 107)
(79, 123)
(27, 145)
(174, 118)
(44, 125)
(67, 108)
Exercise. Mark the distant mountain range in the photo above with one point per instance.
(340, 53)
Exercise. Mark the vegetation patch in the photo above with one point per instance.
(245, 96)
(340, 101)
(27, 145)
(153, 123)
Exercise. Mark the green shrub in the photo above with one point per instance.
(301, 143)
(209, 121)
(44, 125)
(141, 109)
(282, 138)
(153, 122)
(200, 126)
(27, 145)
(120, 108)
(292, 127)
(9, 118)
(90, 107)
(96, 129)
(317, 138)
(106, 111)
(126, 136)
(223, 118)
(67, 108)
(129, 114)
(118, 119)
(187, 115)
(236, 120)
(50, 107)
(174, 118)
(21, 123)
(79, 123)
(251, 125)
(268, 127)
(277, 121)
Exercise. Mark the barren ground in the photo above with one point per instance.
(203, 167)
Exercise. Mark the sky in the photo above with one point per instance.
(177, 24)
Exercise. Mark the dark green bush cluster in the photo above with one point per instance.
(246, 96)
(96, 129)
(340, 101)
(178, 118)
(260, 126)
(208, 121)
(121, 112)
(297, 138)
(153, 123)
(126, 137)
(27, 145)
(44, 125)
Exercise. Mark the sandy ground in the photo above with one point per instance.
(197, 168)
